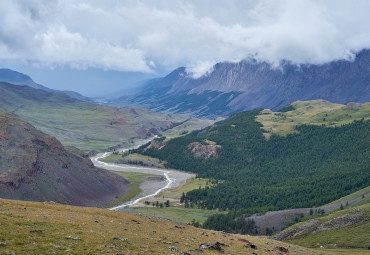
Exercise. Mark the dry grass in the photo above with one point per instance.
(46, 228)
(315, 112)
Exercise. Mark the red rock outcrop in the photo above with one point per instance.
(202, 151)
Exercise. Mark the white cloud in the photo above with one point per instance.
(201, 69)
(58, 45)
(144, 36)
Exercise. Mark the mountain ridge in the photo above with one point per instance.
(235, 87)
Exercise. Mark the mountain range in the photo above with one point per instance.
(246, 85)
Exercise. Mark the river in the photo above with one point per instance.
(168, 178)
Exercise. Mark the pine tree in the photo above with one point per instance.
(182, 199)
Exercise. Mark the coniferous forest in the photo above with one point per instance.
(309, 168)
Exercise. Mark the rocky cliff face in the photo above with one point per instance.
(35, 166)
(246, 85)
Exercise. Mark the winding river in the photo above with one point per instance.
(151, 186)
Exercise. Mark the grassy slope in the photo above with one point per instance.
(315, 112)
(85, 125)
(356, 236)
(102, 231)
(359, 193)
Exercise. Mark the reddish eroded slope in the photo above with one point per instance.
(202, 151)
(35, 166)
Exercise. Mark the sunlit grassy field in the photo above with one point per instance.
(315, 112)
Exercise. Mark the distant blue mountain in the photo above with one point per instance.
(17, 78)
(234, 87)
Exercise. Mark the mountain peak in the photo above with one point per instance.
(246, 85)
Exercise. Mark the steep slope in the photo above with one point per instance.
(344, 228)
(233, 87)
(17, 78)
(35, 166)
(85, 125)
(44, 228)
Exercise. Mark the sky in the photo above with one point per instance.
(95, 47)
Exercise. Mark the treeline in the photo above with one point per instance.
(306, 169)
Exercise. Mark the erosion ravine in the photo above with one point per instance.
(151, 186)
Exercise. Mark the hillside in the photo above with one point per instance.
(44, 228)
(259, 174)
(235, 87)
(35, 166)
(344, 228)
(85, 125)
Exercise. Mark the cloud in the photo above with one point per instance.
(28, 31)
(58, 45)
(201, 69)
(145, 36)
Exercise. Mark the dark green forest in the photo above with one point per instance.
(305, 169)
